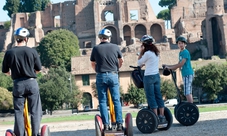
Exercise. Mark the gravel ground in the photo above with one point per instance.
(209, 124)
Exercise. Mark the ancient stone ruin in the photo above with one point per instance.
(202, 22)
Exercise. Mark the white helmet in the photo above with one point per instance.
(105, 33)
(21, 33)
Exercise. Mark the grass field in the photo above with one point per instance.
(83, 117)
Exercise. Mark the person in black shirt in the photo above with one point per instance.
(22, 63)
(106, 59)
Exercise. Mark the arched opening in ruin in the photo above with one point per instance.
(156, 32)
(134, 15)
(140, 30)
(127, 34)
(216, 36)
(87, 44)
(57, 21)
(114, 34)
(109, 16)
(87, 100)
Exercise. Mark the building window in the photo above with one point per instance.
(85, 79)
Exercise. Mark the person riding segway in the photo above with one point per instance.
(156, 115)
(186, 113)
(22, 63)
(106, 59)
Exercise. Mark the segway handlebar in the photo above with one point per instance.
(167, 72)
(135, 67)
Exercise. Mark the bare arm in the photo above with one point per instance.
(176, 66)
(37, 72)
(120, 62)
(93, 64)
(8, 73)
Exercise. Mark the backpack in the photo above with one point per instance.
(137, 77)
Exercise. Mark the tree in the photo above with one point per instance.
(7, 24)
(30, 5)
(136, 95)
(44, 4)
(168, 89)
(167, 3)
(5, 81)
(165, 15)
(15, 6)
(57, 48)
(211, 78)
(55, 89)
(12, 6)
(6, 99)
(94, 90)
(76, 98)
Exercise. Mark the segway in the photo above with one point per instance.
(127, 130)
(185, 113)
(146, 120)
(45, 131)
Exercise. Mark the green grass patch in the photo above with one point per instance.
(84, 117)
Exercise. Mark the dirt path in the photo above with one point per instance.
(209, 124)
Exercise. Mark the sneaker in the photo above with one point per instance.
(119, 127)
(162, 119)
(106, 127)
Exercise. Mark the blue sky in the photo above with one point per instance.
(4, 16)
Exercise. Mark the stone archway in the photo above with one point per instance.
(127, 34)
(140, 30)
(156, 32)
(114, 34)
(87, 100)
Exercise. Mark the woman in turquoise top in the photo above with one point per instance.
(186, 68)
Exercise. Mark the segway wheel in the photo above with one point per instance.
(45, 131)
(9, 132)
(175, 110)
(128, 125)
(98, 125)
(146, 121)
(187, 114)
(169, 119)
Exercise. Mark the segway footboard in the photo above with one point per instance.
(169, 119)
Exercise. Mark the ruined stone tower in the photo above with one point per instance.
(215, 29)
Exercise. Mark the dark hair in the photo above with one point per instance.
(151, 47)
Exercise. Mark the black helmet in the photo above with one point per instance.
(147, 39)
(181, 38)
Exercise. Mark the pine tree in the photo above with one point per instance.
(12, 6)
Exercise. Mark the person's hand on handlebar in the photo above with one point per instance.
(165, 66)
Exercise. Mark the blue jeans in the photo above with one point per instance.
(105, 81)
(152, 91)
